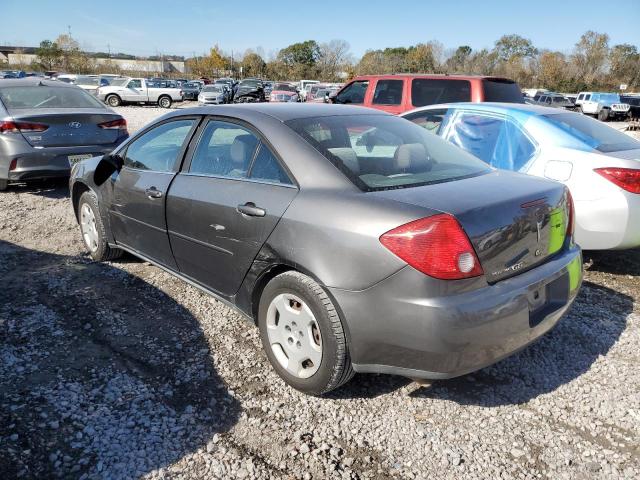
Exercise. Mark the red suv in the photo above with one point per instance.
(403, 92)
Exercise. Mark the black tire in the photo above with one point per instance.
(603, 114)
(164, 102)
(3, 184)
(335, 367)
(580, 110)
(103, 252)
(113, 100)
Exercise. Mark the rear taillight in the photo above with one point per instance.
(21, 127)
(626, 178)
(436, 246)
(13, 165)
(571, 223)
(119, 124)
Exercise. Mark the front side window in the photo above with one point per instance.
(587, 97)
(353, 93)
(494, 140)
(426, 91)
(135, 84)
(388, 92)
(381, 152)
(224, 150)
(157, 150)
(581, 96)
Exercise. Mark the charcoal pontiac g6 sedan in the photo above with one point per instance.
(45, 126)
(356, 240)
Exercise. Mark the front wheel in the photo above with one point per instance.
(603, 115)
(302, 334)
(164, 102)
(3, 185)
(93, 231)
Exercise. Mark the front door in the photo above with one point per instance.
(134, 91)
(137, 211)
(222, 209)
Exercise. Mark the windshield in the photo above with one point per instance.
(380, 152)
(47, 97)
(501, 90)
(592, 132)
(192, 85)
(212, 88)
(250, 83)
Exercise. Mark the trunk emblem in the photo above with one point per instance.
(75, 124)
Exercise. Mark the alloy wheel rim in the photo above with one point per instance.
(88, 227)
(294, 335)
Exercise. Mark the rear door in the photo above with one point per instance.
(137, 211)
(225, 203)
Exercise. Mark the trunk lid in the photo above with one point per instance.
(513, 221)
(68, 127)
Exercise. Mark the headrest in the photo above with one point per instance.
(242, 148)
(411, 156)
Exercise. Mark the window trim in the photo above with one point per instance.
(197, 137)
(457, 112)
(122, 149)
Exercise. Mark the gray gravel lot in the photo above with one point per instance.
(119, 370)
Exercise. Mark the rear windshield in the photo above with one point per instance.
(380, 152)
(499, 90)
(425, 91)
(593, 133)
(47, 97)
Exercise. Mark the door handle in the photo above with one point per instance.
(153, 192)
(251, 210)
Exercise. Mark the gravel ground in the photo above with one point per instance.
(118, 370)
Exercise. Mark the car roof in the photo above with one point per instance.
(280, 111)
(496, 107)
(33, 82)
(434, 76)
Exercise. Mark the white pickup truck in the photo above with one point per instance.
(139, 90)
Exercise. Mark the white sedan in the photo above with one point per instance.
(600, 165)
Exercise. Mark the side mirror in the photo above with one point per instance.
(107, 166)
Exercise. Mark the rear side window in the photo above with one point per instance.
(47, 97)
(267, 168)
(224, 150)
(425, 91)
(501, 90)
(494, 140)
(353, 93)
(388, 92)
(430, 120)
(158, 149)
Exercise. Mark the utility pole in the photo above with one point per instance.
(109, 49)
(69, 30)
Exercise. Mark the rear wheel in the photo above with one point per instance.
(93, 231)
(302, 334)
(113, 100)
(164, 102)
(3, 185)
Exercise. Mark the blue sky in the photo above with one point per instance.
(182, 27)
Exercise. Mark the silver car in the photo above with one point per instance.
(46, 126)
(212, 95)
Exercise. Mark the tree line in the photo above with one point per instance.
(593, 63)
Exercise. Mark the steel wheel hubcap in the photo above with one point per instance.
(294, 335)
(88, 227)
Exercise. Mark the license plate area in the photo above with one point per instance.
(548, 299)
(73, 159)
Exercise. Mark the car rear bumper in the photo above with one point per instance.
(396, 327)
(610, 224)
(51, 162)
